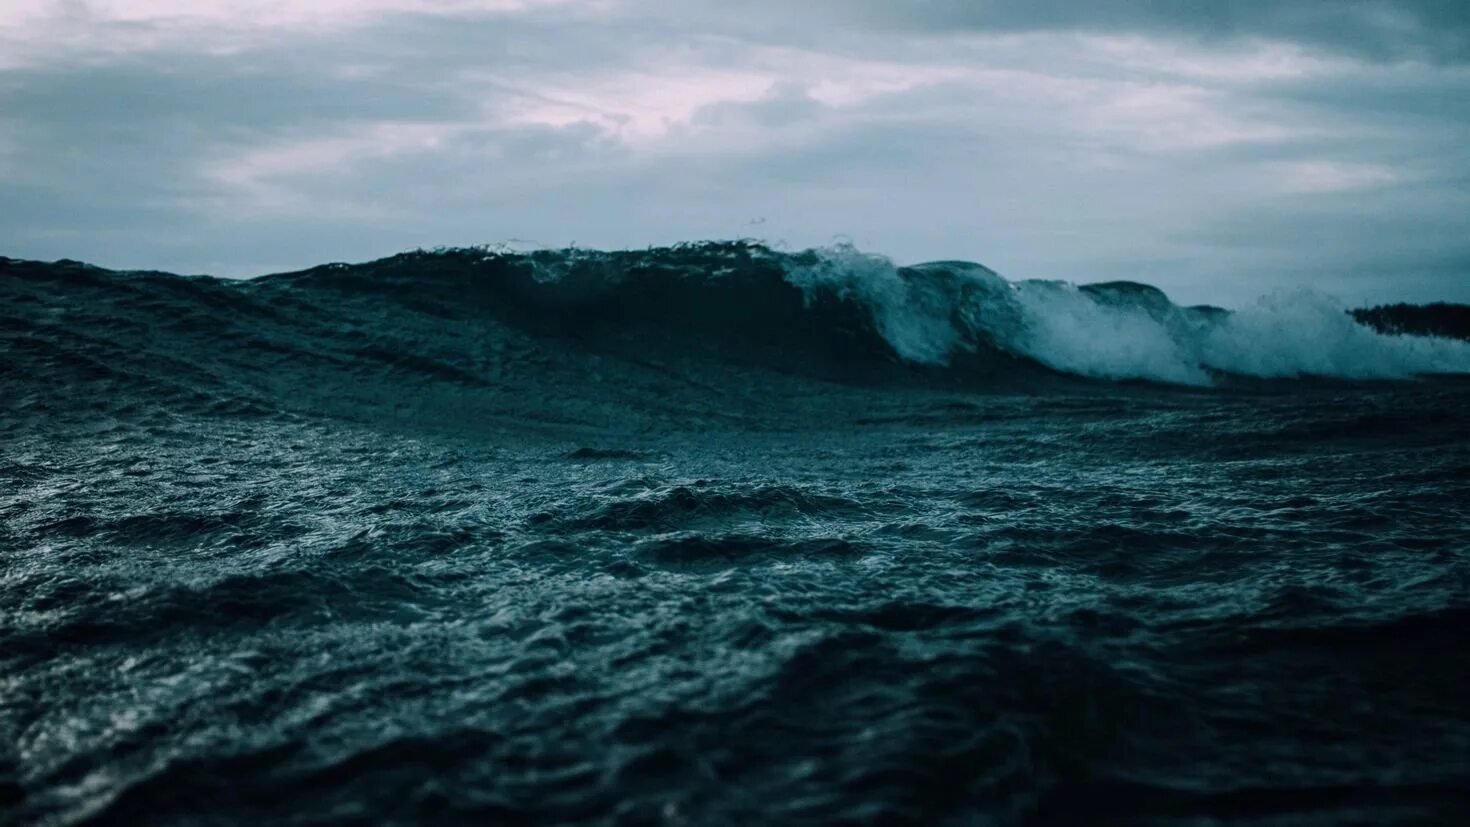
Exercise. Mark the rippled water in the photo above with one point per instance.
(721, 595)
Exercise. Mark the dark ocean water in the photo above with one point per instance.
(716, 535)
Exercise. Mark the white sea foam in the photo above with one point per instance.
(1303, 333)
(930, 312)
(913, 320)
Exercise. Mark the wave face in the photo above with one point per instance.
(939, 314)
(834, 313)
(721, 535)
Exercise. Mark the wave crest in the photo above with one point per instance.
(1120, 330)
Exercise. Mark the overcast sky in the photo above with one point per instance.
(1219, 150)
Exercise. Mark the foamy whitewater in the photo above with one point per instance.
(1119, 330)
(716, 534)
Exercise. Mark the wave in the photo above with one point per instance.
(836, 313)
(1118, 330)
(939, 314)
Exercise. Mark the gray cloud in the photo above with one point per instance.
(1433, 30)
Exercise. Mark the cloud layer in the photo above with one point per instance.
(1220, 153)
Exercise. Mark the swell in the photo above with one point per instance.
(730, 302)
(840, 313)
(545, 322)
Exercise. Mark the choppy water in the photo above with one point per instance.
(449, 539)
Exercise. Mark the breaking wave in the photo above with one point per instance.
(835, 313)
(1117, 330)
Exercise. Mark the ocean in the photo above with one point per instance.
(716, 534)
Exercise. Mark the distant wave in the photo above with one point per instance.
(943, 313)
(835, 313)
